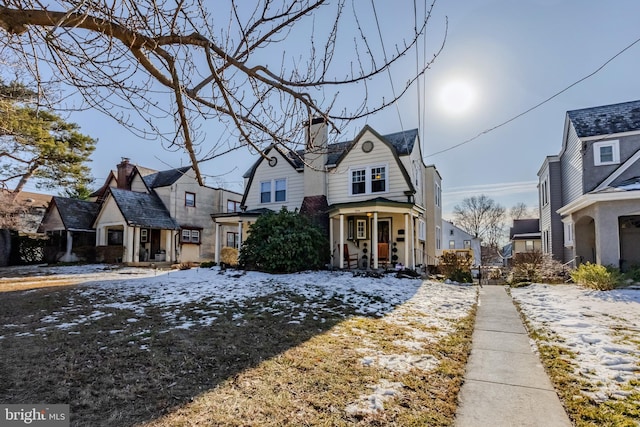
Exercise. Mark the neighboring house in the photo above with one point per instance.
(373, 193)
(459, 241)
(525, 236)
(69, 225)
(590, 192)
(23, 212)
(153, 216)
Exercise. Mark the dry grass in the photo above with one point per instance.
(125, 368)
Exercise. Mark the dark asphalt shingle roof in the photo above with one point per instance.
(76, 214)
(143, 209)
(165, 178)
(525, 226)
(606, 119)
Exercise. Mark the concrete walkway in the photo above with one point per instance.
(505, 383)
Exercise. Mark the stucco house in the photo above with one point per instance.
(590, 192)
(459, 241)
(373, 195)
(144, 215)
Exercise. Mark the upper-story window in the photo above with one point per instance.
(371, 179)
(438, 195)
(544, 193)
(233, 206)
(189, 199)
(274, 190)
(606, 153)
(467, 244)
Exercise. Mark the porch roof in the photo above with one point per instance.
(230, 217)
(379, 203)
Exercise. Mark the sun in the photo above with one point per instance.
(457, 96)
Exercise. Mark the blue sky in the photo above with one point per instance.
(513, 54)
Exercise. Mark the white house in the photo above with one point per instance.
(374, 195)
(457, 240)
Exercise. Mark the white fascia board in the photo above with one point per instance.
(589, 199)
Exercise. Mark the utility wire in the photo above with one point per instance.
(537, 105)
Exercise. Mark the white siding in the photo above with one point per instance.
(381, 155)
(137, 184)
(282, 170)
(571, 164)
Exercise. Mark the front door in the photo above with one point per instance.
(155, 243)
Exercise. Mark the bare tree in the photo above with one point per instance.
(192, 62)
(481, 217)
(519, 211)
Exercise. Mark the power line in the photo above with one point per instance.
(539, 104)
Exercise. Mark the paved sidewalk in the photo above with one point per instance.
(505, 384)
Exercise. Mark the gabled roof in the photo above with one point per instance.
(76, 215)
(525, 227)
(164, 178)
(143, 209)
(606, 119)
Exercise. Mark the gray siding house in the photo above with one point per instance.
(590, 192)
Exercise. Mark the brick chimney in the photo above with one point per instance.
(124, 174)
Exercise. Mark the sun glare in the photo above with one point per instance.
(457, 97)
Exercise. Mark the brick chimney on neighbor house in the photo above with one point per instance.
(124, 174)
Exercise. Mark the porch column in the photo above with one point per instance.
(239, 234)
(168, 246)
(331, 242)
(136, 244)
(129, 248)
(67, 254)
(406, 240)
(217, 247)
(413, 242)
(341, 247)
(374, 241)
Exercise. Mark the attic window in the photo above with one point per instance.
(606, 153)
(189, 199)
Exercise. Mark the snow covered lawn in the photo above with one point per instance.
(130, 345)
(600, 333)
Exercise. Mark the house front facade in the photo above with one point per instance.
(373, 195)
(460, 242)
(590, 192)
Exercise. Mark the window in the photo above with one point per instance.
(452, 244)
(232, 240)
(438, 195)
(358, 181)
(378, 181)
(528, 245)
(265, 192)
(190, 236)
(115, 237)
(361, 229)
(233, 206)
(467, 244)
(422, 230)
(275, 190)
(544, 193)
(568, 234)
(606, 153)
(350, 229)
(144, 235)
(190, 199)
(451, 232)
(438, 238)
(372, 179)
(281, 190)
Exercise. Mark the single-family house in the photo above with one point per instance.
(590, 192)
(145, 215)
(525, 236)
(375, 197)
(23, 212)
(460, 242)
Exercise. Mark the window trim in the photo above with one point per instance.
(192, 232)
(615, 152)
(368, 181)
(186, 199)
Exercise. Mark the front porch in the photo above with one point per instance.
(377, 234)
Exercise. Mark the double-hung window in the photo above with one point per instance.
(233, 206)
(369, 180)
(190, 236)
(606, 153)
(274, 190)
(190, 199)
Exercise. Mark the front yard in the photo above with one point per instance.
(200, 347)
